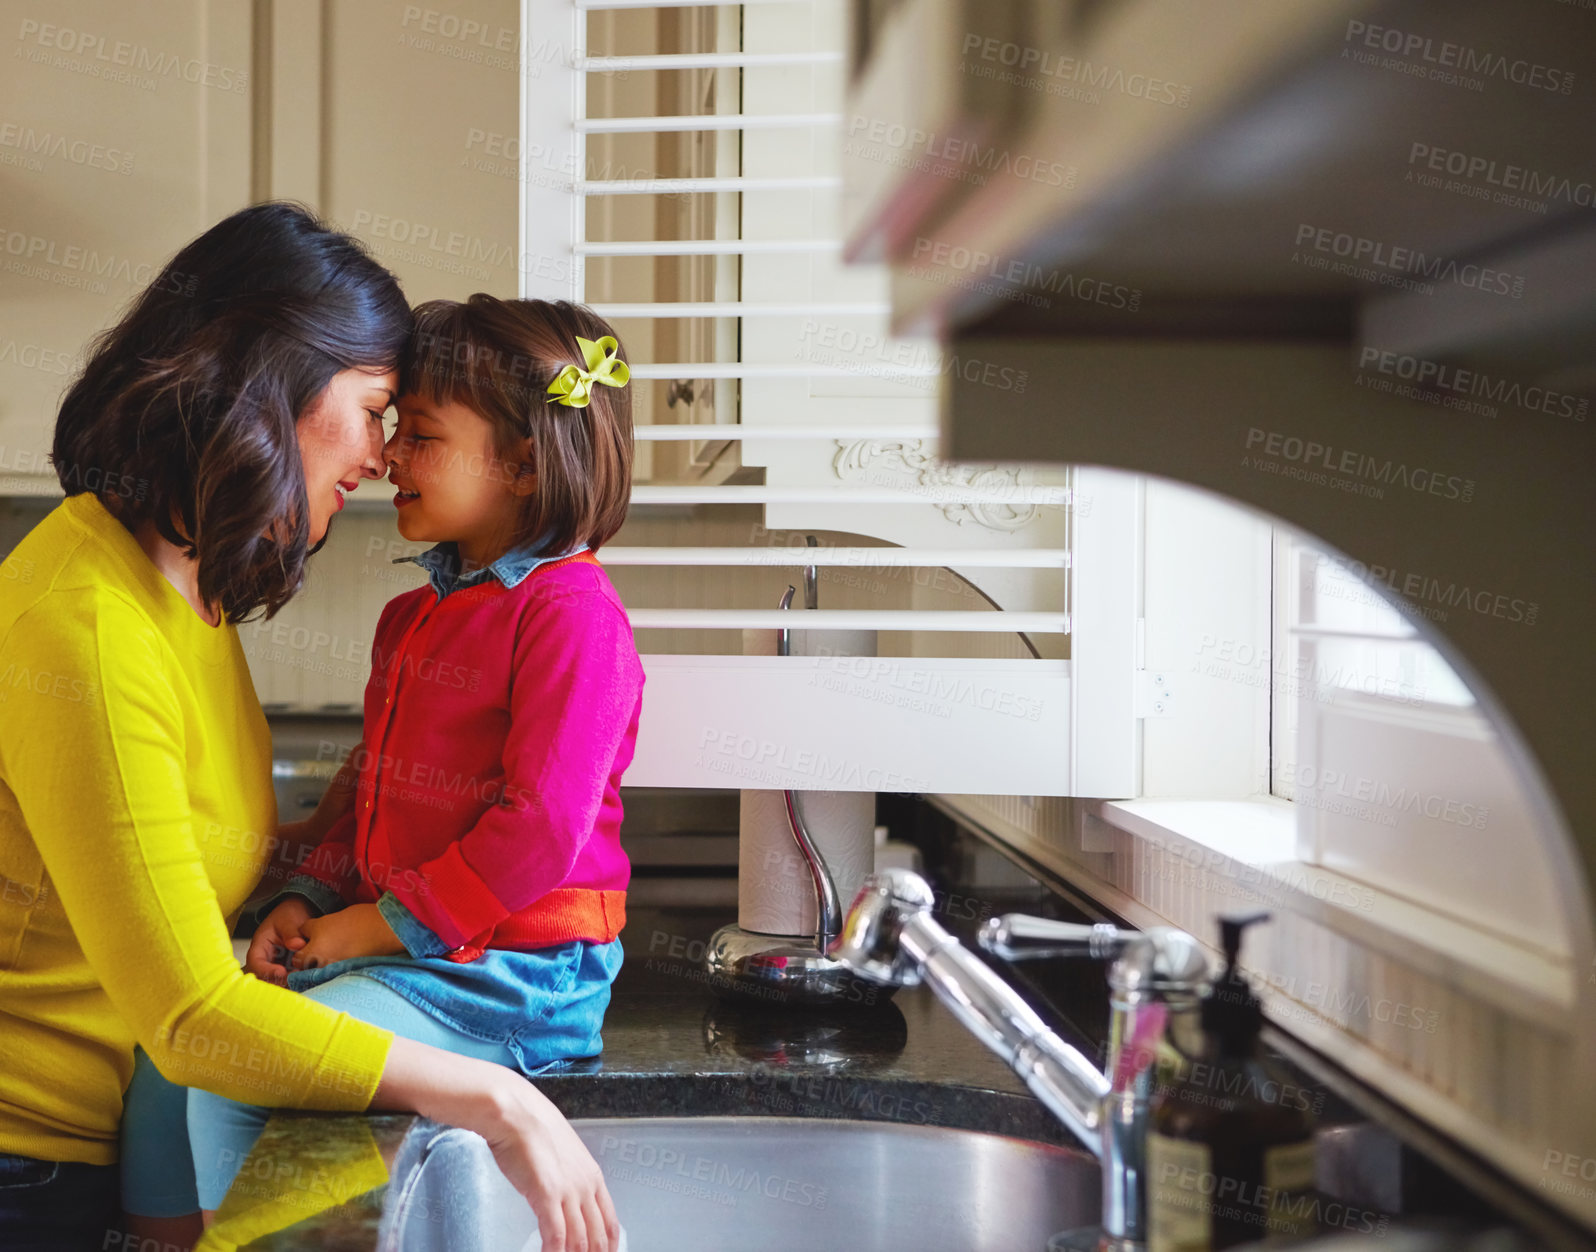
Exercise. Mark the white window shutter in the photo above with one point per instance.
(810, 387)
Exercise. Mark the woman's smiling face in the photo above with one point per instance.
(340, 440)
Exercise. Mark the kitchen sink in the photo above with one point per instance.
(759, 1184)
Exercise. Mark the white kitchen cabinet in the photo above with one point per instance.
(126, 131)
(123, 132)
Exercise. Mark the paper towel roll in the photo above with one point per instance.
(775, 890)
(830, 643)
(821, 643)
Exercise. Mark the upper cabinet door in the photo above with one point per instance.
(401, 124)
(124, 132)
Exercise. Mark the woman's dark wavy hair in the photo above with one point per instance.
(185, 413)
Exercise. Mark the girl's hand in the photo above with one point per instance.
(359, 930)
(276, 940)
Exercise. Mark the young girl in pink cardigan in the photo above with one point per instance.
(473, 896)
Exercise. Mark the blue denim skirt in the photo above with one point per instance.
(544, 1006)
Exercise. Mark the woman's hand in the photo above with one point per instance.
(277, 939)
(534, 1145)
(359, 930)
(548, 1163)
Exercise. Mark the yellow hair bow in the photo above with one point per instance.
(573, 386)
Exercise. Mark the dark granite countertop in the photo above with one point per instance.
(672, 1048)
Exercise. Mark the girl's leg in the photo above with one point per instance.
(157, 1173)
(223, 1131)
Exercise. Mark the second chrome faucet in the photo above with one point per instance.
(1157, 980)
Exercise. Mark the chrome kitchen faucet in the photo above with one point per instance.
(1156, 983)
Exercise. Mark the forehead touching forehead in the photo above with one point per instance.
(454, 357)
(428, 416)
(415, 405)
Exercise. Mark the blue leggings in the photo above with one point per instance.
(161, 1172)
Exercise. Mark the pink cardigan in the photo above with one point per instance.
(498, 722)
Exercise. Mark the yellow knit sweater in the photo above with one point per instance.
(136, 815)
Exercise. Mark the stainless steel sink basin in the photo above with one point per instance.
(761, 1184)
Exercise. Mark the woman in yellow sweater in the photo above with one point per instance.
(211, 437)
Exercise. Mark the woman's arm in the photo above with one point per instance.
(102, 784)
(540, 1154)
(98, 770)
(325, 878)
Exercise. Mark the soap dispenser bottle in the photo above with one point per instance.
(1230, 1155)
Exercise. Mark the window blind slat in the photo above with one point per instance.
(726, 430)
(985, 622)
(757, 369)
(848, 558)
(706, 247)
(843, 496)
(681, 186)
(705, 121)
(1367, 636)
(728, 308)
(704, 61)
(599, 5)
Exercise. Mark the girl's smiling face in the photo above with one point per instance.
(453, 485)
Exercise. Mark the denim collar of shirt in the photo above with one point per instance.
(445, 572)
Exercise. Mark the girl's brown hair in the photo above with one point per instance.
(186, 412)
(498, 357)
